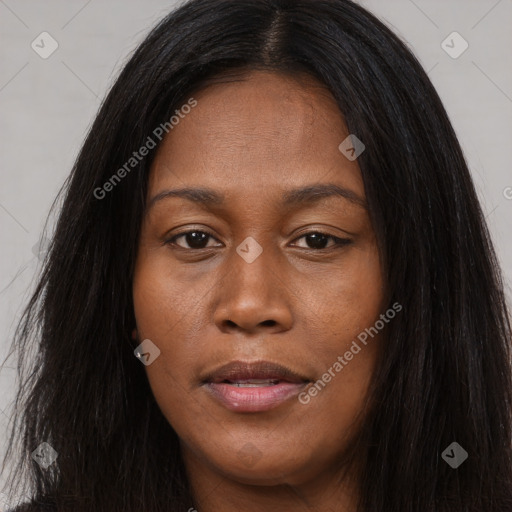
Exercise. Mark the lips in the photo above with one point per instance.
(253, 387)
(256, 373)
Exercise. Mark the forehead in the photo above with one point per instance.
(260, 133)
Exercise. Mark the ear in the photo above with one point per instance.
(134, 334)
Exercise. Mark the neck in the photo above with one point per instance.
(328, 491)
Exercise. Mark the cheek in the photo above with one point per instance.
(164, 314)
(364, 291)
(342, 302)
(165, 299)
(165, 311)
(340, 311)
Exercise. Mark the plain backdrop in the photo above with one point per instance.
(48, 104)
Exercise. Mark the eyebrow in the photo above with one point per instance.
(313, 193)
(295, 197)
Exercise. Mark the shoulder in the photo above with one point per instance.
(32, 507)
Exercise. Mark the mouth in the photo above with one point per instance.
(253, 387)
(250, 383)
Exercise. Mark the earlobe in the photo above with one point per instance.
(134, 334)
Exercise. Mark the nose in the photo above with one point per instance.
(253, 297)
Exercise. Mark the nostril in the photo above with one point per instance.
(265, 323)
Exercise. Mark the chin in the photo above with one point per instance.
(265, 469)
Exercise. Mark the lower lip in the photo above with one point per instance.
(254, 399)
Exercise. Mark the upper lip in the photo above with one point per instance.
(240, 370)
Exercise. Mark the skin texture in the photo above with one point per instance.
(296, 304)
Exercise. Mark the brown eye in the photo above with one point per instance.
(194, 239)
(318, 241)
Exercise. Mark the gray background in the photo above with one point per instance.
(48, 104)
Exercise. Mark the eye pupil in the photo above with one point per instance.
(319, 241)
(195, 239)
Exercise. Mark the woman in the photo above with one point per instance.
(271, 286)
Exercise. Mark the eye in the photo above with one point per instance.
(195, 239)
(318, 241)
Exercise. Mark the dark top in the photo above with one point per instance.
(32, 507)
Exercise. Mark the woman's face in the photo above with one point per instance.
(272, 271)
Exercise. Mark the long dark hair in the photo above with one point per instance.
(445, 373)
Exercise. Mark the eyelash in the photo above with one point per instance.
(338, 242)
